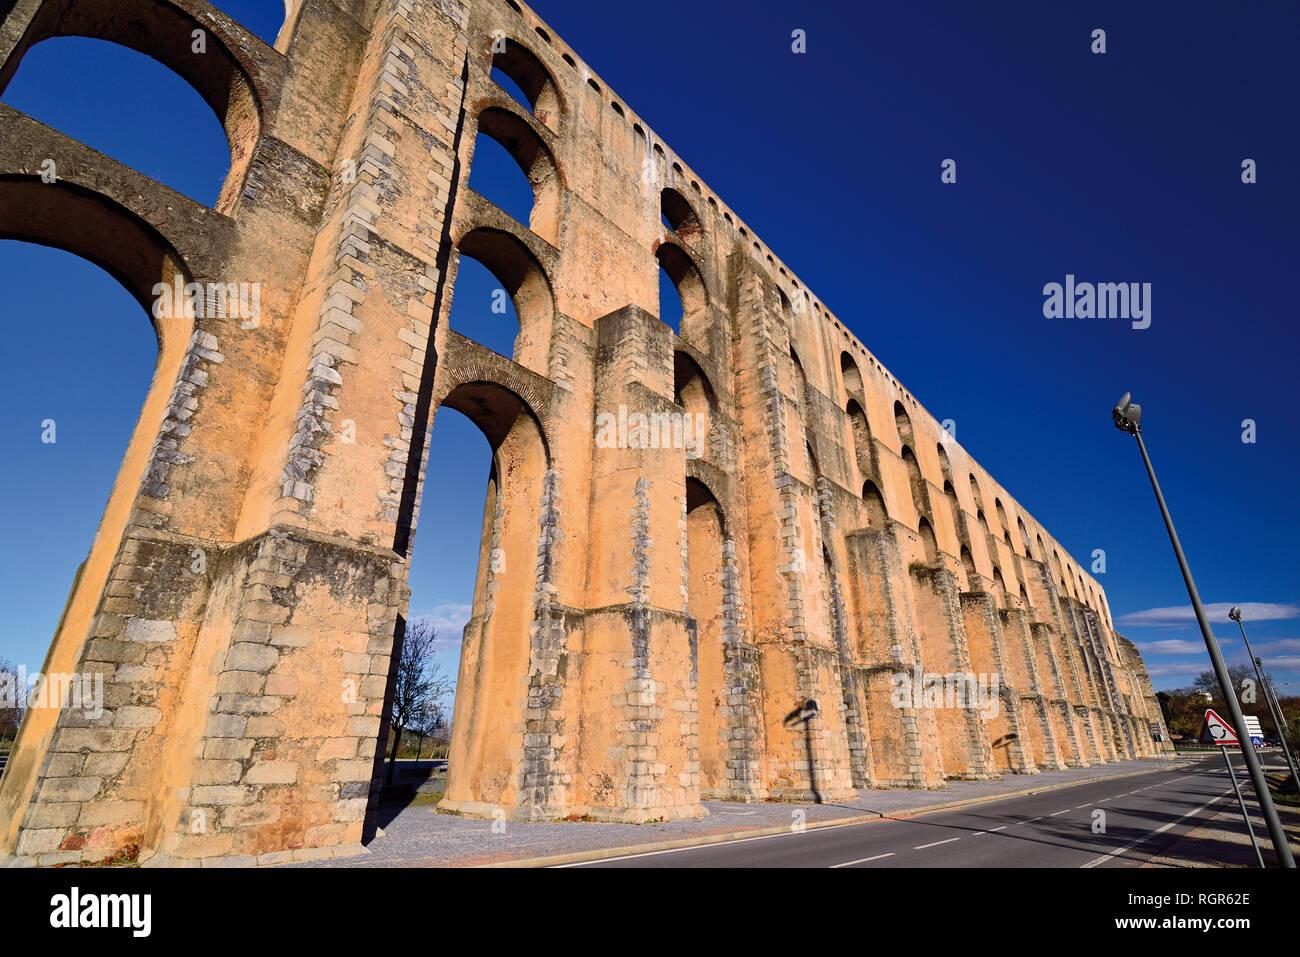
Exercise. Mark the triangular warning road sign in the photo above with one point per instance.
(1216, 731)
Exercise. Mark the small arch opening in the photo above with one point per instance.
(517, 287)
(517, 70)
(852, 376)
(689, 315)
(679, 216)
(513, 168)
(874, 502)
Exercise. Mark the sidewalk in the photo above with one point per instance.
(418, 836)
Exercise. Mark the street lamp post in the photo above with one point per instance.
(1128, 418)
(1274, 706)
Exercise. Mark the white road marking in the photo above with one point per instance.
(1058, 812)
(922, 847)
(1160, 830)
(1089, 804)
(862, 860)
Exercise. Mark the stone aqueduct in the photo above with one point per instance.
(644, 620)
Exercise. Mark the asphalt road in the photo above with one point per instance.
(1143, 814)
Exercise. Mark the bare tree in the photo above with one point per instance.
(419, 686)
(13, 701)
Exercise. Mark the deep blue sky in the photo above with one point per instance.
(1117, 167)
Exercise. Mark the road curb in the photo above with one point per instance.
(698, 840)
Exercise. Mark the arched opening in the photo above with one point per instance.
(513, 560)
(968, 563)
(705, 576)
(874, 502)
(218, 73)
(860, 437)
(56, 482)
(692, 391)
(920, 493)
(1002, 522)
(688, 284)
(903, 423)
(787, 313)
(506, 147)
(928, 543)
(800, 381)
(68, 419)
(517, 70)
(521, 280)
(1042, 549)
(1024, 537)
(999, 587)
(679, 216)
(117, 114)
(852, 377)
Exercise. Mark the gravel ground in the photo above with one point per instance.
(418, 836)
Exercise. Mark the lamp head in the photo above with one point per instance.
(1235, 614)
(1127, 416)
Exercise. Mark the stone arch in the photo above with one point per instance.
(799, 381)
(877, 514)
(787, 312)
(536, 161)
(681, 268)
(1024, 537)
(521, 64)
(968, 563)
(70, 217)
(515, 562)
(708, 557)
(680, 216)
(860, 438)
(903, 423)
(999, 587)
(945, 467)
(975, 493)
(691, 386)
(226, 76)
(693, 391)
(928, 542)
(88, 224)
(1002, 522)
(525, 281)
(851, 375)
(916, 482)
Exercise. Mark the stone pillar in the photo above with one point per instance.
(990, 661)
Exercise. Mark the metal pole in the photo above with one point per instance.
(1270, 699)
(1242, 802)
(1277, 703)
(1275, 830)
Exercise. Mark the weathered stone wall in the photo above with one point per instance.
(652, 626)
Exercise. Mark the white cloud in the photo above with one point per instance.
(448, 618)
(1176, 669)
(1217, 612)
(1171, 646)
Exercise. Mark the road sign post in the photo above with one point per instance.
(1242, 803)
(1219, 732)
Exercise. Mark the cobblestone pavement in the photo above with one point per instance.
(418, 836)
